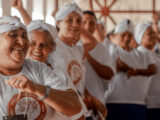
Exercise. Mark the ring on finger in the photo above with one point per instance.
(18, 81)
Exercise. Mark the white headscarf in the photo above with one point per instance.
(34, 25)
(39, 24)
(8, 23)
(124, 26)
(140, 30)
(66, 10)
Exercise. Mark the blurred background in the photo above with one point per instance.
(109, 11)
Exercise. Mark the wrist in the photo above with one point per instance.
(46, 94)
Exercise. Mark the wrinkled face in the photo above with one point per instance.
(89, 23)
(13, 48)
(70, 27)
(123, 39)
(40, 45)
(149, 39)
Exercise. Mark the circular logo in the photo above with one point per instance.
(27, 104)
(75, 71)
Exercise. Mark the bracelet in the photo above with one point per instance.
(48, 88)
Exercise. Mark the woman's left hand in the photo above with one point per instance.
(22, 83)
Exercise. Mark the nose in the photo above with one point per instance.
(22, 41)
(38, 48)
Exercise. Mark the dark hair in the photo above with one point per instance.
(90, 13)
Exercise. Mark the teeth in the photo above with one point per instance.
(18, 49)
(35, 54)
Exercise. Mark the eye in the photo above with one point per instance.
(92, 23)
(69, 20)
(79, 21)
(24, 35)
(13, 35)
(43, 45)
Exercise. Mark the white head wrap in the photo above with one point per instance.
(124, 26)
(140, 30)
(39, 24)
(8, 23)
(34, 25)
(66, 10)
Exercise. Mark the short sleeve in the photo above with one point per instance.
(101, 55)
(53, 78)
(150, 58)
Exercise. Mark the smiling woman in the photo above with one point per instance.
(24, 81)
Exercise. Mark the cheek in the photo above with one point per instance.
(30, 49)
(46, 52)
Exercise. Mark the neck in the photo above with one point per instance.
(8, 72)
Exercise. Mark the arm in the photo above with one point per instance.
(19, 6)
(69, 106)
(89, 42)
(94, 103)
(121, 66)
(151, 70)
(155, 22)
(103, 71)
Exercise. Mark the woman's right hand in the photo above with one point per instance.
(17, 4)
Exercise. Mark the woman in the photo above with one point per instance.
(127, 92)
(69, 22)
(153, 101)
(41, 44)
(25, 83)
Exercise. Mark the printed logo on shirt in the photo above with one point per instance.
(27, 104)
(75, 71)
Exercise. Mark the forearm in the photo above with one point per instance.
(151, 70)
(103, 71)
(123, 69)
(26, 17)
(66, 102)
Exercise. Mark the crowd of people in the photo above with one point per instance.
(77, 71)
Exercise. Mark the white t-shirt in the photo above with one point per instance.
(14, 102)
(71, 61)
(153, 97)
(131, 90)
(94, 83)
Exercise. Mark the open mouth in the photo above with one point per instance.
(37, 54)
(19, 49)
(74, 30)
